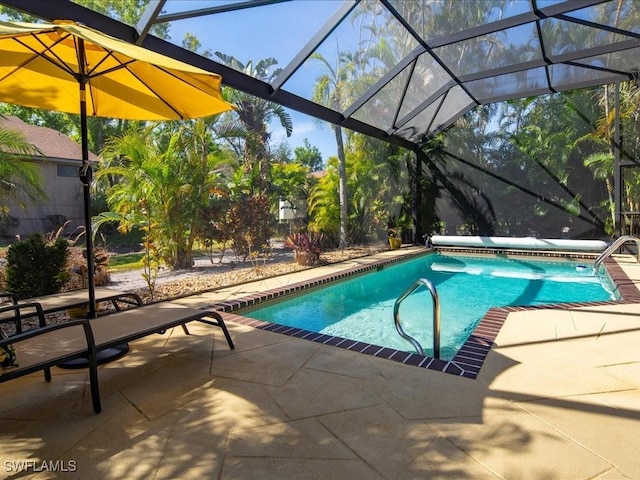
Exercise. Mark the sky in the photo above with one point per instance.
(319, 135)
(277, 31)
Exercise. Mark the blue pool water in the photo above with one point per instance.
(361, 308)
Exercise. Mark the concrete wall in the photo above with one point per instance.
(64, 197)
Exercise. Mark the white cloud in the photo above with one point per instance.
(319, 135)
(303, 128)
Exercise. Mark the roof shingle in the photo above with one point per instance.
(50, 142)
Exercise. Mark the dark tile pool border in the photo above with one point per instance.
(468, 360)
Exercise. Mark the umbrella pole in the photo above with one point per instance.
(86, 177)
(86, 172)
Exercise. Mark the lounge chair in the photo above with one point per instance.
(67, 300)
(47, 346)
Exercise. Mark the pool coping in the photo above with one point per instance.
(470, 357)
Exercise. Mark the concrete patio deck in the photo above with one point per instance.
(558, 397)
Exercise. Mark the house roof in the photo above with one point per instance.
(51, 143)
(318, 175)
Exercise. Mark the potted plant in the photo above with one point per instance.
(395, 242)
(394, 233)
(307, 246)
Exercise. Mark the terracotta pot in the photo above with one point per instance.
(302, 258)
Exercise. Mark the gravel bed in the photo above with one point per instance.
(207, 276)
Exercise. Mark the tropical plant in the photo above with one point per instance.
(290, 181)
(602, 159)
(19, 180)
(601, 165)
(376, 183)
(324, 206)
(220, 217)
(307, 246)
(172, 171)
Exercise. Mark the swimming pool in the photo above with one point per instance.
(361, 308)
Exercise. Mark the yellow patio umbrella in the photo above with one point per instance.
(68, 67)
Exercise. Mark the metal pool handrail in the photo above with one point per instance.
(436, 316)
(615, 245)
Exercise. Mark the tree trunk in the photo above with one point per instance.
(342, 194)
(183, 260)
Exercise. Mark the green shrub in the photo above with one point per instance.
(35, 267)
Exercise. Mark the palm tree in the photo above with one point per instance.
(332, 90)
(254, 114)
(19, 180)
